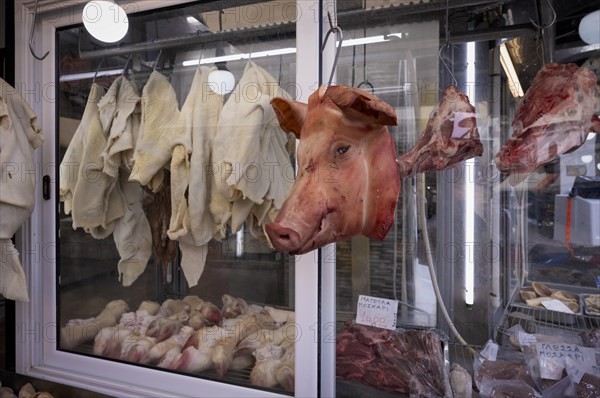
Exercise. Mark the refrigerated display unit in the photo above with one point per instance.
(148, 303)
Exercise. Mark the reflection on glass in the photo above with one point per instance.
(168, 265)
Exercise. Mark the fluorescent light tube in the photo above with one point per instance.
(290, 50)
(470, 193)
(237, 57)
(513, 79)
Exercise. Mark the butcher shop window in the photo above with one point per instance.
(168, 174)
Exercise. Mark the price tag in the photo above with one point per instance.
(556, 305)
(526, 338)
(553, 357)
(490, 351)
(574, 370)
(378, 312)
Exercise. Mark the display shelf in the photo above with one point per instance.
(542, 321)
(239, 377)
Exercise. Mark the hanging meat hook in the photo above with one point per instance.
(126, 65)
(35, 10)
(447, 45)
(541, 26)
(365, 81)
(158, 58)
(340, 35)
(97, 70)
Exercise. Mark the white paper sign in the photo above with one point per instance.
(490, 351)
(378, 312)
(552, 358)
(574, 370)
(556, 305)
(526, 338)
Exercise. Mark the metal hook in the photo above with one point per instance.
(31, 36)
(126, 64)
(365, 81)
(201, 54)
(353, 65)
(158, 58)
(280, 67)
(542, 26)
(97, 70)
(447, 44)
(340, 35)
(454, 81)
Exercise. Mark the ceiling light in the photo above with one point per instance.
(292, 50)
(590, 136)
(589, 28)
(587, 158)
(105, 20)
(513, 79)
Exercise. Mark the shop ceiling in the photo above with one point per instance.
(469, 20)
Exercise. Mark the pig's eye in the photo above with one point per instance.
(342, 150)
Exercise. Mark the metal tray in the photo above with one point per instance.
(587, 311)
(550, 316)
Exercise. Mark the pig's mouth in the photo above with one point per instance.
(301, 240)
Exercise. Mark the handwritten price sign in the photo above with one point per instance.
(378, 312)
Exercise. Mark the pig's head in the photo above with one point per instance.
(347, 182)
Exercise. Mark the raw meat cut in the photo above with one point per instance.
(156, 207)
(503, 370)
(411, 362)
(450, 137)
(77, 331)
(347, 182)
(554, 117)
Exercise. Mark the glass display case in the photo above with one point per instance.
(147, 302)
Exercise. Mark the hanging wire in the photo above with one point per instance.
(542, 28)
(201, 54)
(280, 67)
(353, 65)
(35, 10)
(126, 64)
(365, 81)
(447, 45)
(158, 58)
(97, 70)
(340, 35)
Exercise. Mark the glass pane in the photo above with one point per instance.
(170, 152)
(489, 235)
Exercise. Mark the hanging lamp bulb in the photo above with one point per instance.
(221, 81)
(105, 20)
(589, 28)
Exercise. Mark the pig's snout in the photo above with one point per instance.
(282, 238)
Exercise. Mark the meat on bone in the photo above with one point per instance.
(450, 137)
(76, 333)
(554, 117)
(347, 182)
(157, 352)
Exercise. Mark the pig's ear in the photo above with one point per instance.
(360, 105)
(290, 114)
